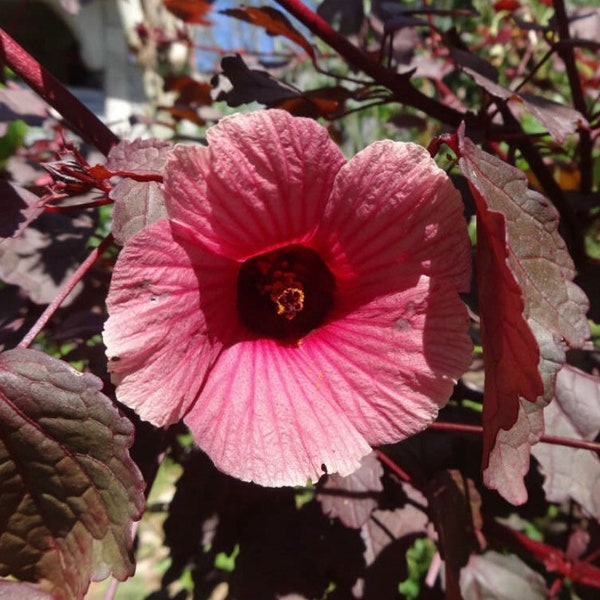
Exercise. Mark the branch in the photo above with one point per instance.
(398, 84)
(565, 51)
(545, 439)
(79, 118)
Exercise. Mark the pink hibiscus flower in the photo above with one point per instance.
(296, 308)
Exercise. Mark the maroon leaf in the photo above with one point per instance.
(352, 499)
(47, 253)
(347, 16)
(137, 203)
(530, 311)
(190, 11)
(249, 85)
(69, 492)
(502, 577)
(558, 119)
(274, 22)
(455, 509)
(386, 526)
(18, 208)
(575, 414)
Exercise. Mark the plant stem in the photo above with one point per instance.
(545, 439)
(79, 118)
(65, 291)
(398, 84)
(565, 51)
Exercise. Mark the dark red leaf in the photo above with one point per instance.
(274, 22)
(558, 119)
(18, 208)
(69, 492)
(386, 526)
(190, 92)
(352, 499)
(530, 311)
(508, 5)
(191, 11)
(46, 254)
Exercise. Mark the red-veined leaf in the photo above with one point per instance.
(69, 491)
(530, 311)
(274, 22)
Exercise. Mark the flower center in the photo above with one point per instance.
(286, 293)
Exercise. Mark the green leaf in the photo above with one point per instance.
(69, 491)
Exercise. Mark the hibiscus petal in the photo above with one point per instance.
(266, 416)
(394, 215)
(274, 413)
(262, 182)
(171, 306)
(391, 364)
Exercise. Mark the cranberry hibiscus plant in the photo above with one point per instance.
(294, 309)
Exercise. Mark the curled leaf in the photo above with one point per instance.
(530, 311)
(571, 472)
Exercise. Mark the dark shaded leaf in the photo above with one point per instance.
(346, 16)
(274, 22)
(47, 253)
(386, 526)
(296, 551)
(530, 311)
(352, 499)
(18, 103)
(455, 509)
(502, 577)
(558, 119)
(574, 414)
(18, 208)
(250, 85)
(137, 203)
(69, 492)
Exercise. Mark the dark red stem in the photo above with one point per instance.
(79, 118)
(398, 84)
(545, 439)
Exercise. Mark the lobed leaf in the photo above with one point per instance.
(69, 491)
(530, 312)
(18, 208)
(137, 203)
(41, 260)
(558, 119)
(353, 498)
(571, 472)
(274, 22)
